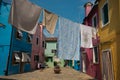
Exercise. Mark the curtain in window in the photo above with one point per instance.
(17, 57)
(25, 57)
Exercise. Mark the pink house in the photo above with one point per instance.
(38, 45)
(91, 56)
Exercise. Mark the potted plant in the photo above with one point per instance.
(56, 65)
(57, 69)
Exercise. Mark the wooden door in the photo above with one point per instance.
(84, 62)
(107, 70)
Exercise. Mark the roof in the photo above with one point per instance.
(53, 39)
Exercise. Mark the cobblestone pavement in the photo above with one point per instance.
(48, 74)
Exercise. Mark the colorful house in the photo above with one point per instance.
(109, 31)
(15, 45)
(51, 52)
(91, 56)
(38, 46)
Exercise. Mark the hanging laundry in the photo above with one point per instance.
(68, 40)
(49, 21)
(86, 36)
(24, 15)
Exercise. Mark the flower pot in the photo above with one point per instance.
(57, 69)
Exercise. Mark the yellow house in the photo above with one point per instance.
(109, 32)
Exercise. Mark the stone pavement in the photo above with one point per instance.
(48, 74)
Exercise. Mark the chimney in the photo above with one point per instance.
(88, 7)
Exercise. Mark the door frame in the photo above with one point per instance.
(106, 51)
(84, 61)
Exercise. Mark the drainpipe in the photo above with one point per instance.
(8, 61)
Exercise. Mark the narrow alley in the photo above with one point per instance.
(48, 74)
(79, 38)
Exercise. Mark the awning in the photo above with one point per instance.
(25, 57)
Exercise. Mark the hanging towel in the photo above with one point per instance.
(86, 36)
(50, 20)
(24, 15)
(68, 40)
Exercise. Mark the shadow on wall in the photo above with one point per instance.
(6, 79)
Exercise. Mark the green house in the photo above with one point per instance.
(51, 52)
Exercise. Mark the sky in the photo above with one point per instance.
(71, 9)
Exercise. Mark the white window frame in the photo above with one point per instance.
(94, 57)
(95, 15)
(103, 25)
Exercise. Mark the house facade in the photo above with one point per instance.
(38, 46)
(91, 56)
(51, 52)
(109, 31)
(5, 39)
(15, 45)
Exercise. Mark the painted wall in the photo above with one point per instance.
(92, 69)
(109, 34)
(49, 55)
(48, 52)
(5, 37)
(37, 49)
(21, 46)
(8, 44)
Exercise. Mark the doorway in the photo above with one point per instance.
(107, 69)
(84, 62)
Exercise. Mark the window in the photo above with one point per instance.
(26, 57)
(105, 17)
(44, 44)
(48, 59)
(94, 21)
(16, 57)
(37, 41)
(19, 34)
(36, 58)
(95, 54)
(29, 38)
(53, 51)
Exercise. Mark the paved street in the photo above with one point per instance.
(48, 74)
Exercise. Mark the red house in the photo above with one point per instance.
(91, 56)
(38, 46)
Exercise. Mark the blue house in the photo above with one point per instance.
(15, 45)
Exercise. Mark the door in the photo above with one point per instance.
(84, 62)
(22, 67)
(107, 70)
